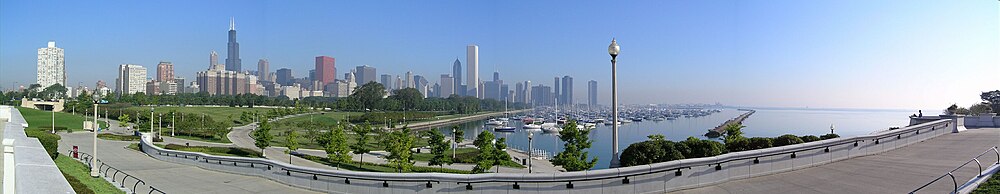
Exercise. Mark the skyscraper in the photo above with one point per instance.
(472, 59)
(408, 80)
(556, 90)
(567, 91)
(233, 62)
(217, 81)
(131, 79)
(592, 93)
(365, 74)
(165, 71)
(518, 92)
(51, 66)
(447, 86)
(527, 91)
(386, 81)
(326, 73)
(456, 75)
(213, 60)
(263, 70)
(284, 77)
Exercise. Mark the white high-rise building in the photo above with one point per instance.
(409, 82)
(131, 79)
(51, 66)
(472, 77)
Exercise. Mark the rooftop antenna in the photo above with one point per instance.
(232, 23)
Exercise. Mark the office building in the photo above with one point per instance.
(365, 74)
(592, 93)
(284, 77)
(447, 86)
(131, 79)
(386, 81)
(165, 71)
(456, 74)
(51, 66)
(233, 61)
(224, 82)
(472, 59)
(326, 72)
(541, 95)
(408, 80)
(263, 70)
(567, 91)
(556, 91)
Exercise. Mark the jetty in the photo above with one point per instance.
(721, 129)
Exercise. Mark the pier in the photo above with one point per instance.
(721, 129)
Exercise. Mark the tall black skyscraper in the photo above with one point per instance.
(457, 75)
(233, 62)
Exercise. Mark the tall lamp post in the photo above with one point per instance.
(613, 50)
(151, 120)
(93, 171)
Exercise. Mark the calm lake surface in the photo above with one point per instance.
(763, 123)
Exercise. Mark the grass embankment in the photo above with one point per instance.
(79, 178)
(224, 139)
(991, 186)
(371, 167)
(216, 113)
(218, 151)
(464, 156)
(42, 120)
(114, 137)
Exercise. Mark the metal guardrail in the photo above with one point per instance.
(677, 167)
(952, 175)
(114, 176)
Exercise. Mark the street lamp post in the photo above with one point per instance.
(613, 50)
(530, 136)
(93, 171)
(159, 124)
(173, 125)
(454, 142)
(54, 118)
(151, 119)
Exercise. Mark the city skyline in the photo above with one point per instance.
(695, 71)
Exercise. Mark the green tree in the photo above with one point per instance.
(369, 94)
(573, 157)
(734, 139)
(993, 99)
(292, 142)
(760, 143)
(337, 149)
(398, 143)
(809, 138)
(787, 139)
(439, 148)
(54, 91)
(123, 120)
(262, 136)
(703, 148)
(487, 151)
(360, 146)
(499, 153)
(408, 97)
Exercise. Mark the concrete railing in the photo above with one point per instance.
(32, 169)
(653, 178)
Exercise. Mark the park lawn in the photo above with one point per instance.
(224, 139)
(39, 119)
(463, 153)
(372, 167)
(78, 174)
(216, 113)
(115, 137)
(325, 117)
(218, 151)
(307, 143)
(990, 186)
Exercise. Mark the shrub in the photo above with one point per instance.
(49, 141)
(702, 148)
(810, 138)
(737, 145)
(760, 143)
(652, 151)
(787, 139)
(829, 136)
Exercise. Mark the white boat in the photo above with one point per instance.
(494, 122)
(552, 129)
(532, 126)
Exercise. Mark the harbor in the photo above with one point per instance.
(721, 129)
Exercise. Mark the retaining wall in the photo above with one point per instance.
(653, 178)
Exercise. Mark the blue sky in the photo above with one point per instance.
(838, 54)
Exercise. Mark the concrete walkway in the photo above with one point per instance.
(170, 177)
(897, 171)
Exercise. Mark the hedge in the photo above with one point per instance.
(49, 141)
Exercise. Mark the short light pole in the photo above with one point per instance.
(173, 125)
(454, 142)
(613, 50)
(151, 119)
(54, 118)
(530, 136)
(159, 124)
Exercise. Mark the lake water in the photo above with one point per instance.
(763, 123)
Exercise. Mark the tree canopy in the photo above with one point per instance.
(573, 157)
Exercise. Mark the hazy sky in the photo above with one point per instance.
(839, 54)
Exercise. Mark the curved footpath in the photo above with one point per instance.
(167, 176)
(897, 171)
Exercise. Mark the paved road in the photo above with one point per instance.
(896, 171)
(171, 177)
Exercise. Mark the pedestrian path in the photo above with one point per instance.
(897, 171)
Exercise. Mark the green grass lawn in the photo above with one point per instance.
(225, 139)
(990, 186)
(306, 142)
(216, 113)
(326, 117)
(218, 151)
(39, 119)
(371, 167)
(78, 176)
(114, 137)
